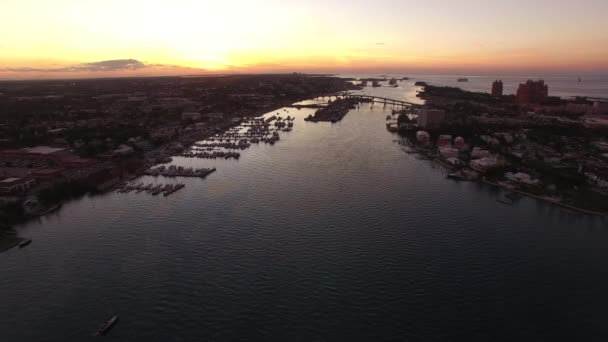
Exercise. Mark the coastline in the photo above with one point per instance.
(8, 241)
(563, 205)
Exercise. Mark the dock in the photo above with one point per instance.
(152, 189)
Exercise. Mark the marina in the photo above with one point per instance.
(152, 189)
(179, 171)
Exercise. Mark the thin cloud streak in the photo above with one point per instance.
(101, 66)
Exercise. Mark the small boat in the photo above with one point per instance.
(25, 243)
(463, 79)
(456, 176)
(107, 326)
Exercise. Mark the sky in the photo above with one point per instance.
(91, 38)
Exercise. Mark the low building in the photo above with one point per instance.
(485, 164)
(449, 152)
(478, 153)
(579, 108)
(430, 118)
(191, 116)
(522, 178)
(444, 140)
(47, 173)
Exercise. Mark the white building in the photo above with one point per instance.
(485, 164)
(123, 150)
(449, 152)
(429, 118)
(444, 140)
(480, 153)
(521, 177)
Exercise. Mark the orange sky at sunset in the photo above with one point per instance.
(66, 38)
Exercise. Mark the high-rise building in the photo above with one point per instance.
(497, 88)
(532, 92)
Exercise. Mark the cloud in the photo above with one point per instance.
(380, 43)
(102, 66)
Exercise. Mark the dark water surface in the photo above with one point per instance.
(332, 234)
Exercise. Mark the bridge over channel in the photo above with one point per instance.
(374, 99)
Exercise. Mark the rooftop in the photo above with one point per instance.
(43, 150)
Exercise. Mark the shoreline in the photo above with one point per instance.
(559, 204)
(186, 140)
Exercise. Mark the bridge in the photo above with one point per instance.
(374, 99)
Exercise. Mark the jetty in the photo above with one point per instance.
(152, 189)
(178, 171)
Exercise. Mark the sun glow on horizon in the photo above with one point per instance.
(299, 35)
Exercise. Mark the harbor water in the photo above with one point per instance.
(334, 233)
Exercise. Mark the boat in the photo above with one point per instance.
(456, 176)
(107, 326)
(25, 243)
(463, 79)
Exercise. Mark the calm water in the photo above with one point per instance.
(563, 86)
(332, 234)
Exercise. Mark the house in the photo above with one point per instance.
(521, 177)
(485, 164)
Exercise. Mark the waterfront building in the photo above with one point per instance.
(497, 88)
(522, 178)
(532, 92)
(449, 152)
(444, 140)
(485, 164)
(123, 150)
(430, 118)
(478, 153)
